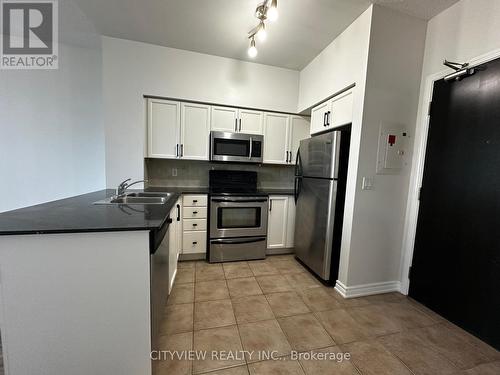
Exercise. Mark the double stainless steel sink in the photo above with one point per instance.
(139, 198)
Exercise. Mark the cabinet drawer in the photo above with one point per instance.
(194, 212)
(194, 224)
(194, 200)
(194, 242)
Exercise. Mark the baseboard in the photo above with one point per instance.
(367, 289)
(195, 256)
(280, 251)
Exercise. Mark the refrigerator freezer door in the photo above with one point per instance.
(318, 156)
(314, 224)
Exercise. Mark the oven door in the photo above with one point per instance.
(236, 147)
(238, 216)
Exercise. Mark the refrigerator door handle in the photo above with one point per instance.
(298, 171)
(336, 150)
(295, 196)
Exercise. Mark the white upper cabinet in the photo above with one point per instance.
(332, 113)
(277, 222)
(341, 110)
(250, 122)
(224, 119)
(276, 138)
(282, 136)
(164, 118)
(318, 117)
(195, 131)
(300, 128)
(237, 120)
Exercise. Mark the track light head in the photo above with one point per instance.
(252, 50)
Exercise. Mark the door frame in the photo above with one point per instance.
(418, 164)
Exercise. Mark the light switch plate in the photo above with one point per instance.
(368, 183)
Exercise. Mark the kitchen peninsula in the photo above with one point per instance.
(76, 285)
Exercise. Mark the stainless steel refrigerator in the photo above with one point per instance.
(320, 183)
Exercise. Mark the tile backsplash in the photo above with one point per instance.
(191, 173)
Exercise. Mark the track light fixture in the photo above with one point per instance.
(268, 10)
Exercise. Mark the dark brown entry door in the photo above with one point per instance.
(456, 262)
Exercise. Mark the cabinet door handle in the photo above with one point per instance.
(324, 118)
(235, 124)
(177, 150)
(178, 212)
(270, 205)
(291, 157)
(182, 150)
(240, 124)
(328, 118)
(287, 156)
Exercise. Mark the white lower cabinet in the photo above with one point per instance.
(194, 224)
(281, 222)
(174, 243)
(290, 223)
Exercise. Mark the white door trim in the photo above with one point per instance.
(417, 169)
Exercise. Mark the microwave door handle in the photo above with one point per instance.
(251, 144)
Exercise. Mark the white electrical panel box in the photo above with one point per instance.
(391, 149)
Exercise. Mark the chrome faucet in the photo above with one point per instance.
(122, 188)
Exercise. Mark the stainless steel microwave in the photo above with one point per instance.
(237, 147)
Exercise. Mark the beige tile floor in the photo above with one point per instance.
(277, 305)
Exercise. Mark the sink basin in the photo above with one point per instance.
(140, 198)
(145, 194)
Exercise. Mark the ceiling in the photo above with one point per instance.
(220, 27)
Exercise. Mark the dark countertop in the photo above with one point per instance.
(79, 214)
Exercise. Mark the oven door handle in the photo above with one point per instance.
(238, 241)
(238, 200)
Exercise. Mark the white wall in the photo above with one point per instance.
(52, 136)
(381, 52)
(341, 64)
(132, 69)
(465, 31)
(391, 97)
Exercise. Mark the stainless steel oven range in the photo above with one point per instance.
(238, 217)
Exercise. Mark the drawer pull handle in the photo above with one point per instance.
(195, 242)
(195, 212)
(195, 201)
(195, 225)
